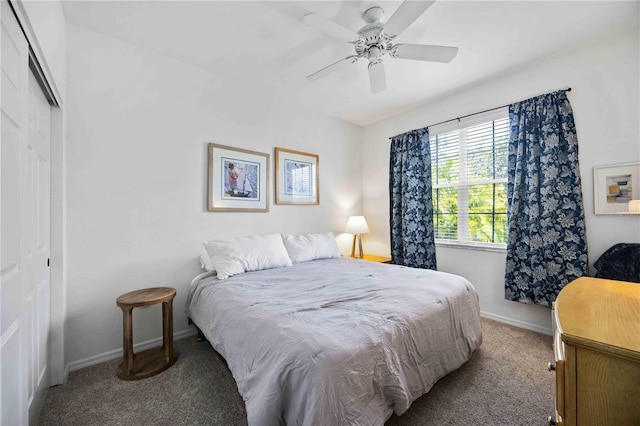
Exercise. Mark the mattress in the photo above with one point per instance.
(337, 341)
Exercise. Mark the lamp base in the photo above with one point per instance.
(360, 254)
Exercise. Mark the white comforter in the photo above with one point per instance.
(337, 341)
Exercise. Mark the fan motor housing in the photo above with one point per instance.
(371, 33)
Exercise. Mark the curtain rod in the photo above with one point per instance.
(568, 89)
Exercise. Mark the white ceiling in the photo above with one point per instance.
(267, 43)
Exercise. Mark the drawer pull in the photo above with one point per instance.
(551, 367)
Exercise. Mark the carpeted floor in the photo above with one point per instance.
(504, 383)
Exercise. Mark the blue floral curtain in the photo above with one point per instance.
(546, 247)
(411, 222)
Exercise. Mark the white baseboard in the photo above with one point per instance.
(516, 323)
(117, 353)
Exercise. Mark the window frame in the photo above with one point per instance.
(463, 185)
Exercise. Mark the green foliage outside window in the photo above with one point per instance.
(486, 224)
(446, 213)
(458, 201)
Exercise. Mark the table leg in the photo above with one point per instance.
(167, 329)
(127, 341)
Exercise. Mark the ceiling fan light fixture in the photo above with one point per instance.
(374, 53)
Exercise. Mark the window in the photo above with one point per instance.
(469, 178)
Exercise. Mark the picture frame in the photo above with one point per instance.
(297, 177)
(238, 180)
(614, 192)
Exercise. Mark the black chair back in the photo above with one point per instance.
(620, 262)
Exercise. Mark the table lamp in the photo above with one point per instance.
(357, 225)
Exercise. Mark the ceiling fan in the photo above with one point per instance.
(375, 39)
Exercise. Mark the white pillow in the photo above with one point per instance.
(247, 254)
(205, 262)
(302, 248)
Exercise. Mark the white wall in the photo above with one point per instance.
(604, 75)
(138, 129)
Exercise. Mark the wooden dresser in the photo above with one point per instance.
(597, 353)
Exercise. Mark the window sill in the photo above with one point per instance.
(499, 248)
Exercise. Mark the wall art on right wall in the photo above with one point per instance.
(613, 189)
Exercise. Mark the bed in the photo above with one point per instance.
(336, 341)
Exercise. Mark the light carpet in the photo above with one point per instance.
(504, 383)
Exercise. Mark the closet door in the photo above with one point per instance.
(24, 231)
(14, 64)
(36, 226)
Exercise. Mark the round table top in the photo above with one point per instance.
(146, 296)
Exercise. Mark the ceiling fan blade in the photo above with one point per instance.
(330, 69)
(424, 52)
(377, 77)
(329, 27)
(404, 16)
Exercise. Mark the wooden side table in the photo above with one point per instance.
(151, 361)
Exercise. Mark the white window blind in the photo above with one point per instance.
(469, 175)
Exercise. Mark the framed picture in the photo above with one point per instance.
(238, 180)
(297, 179)
(614, 191)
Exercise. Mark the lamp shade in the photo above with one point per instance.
(634, 206)
(357, 225)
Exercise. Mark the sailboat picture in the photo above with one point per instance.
(240, 179)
